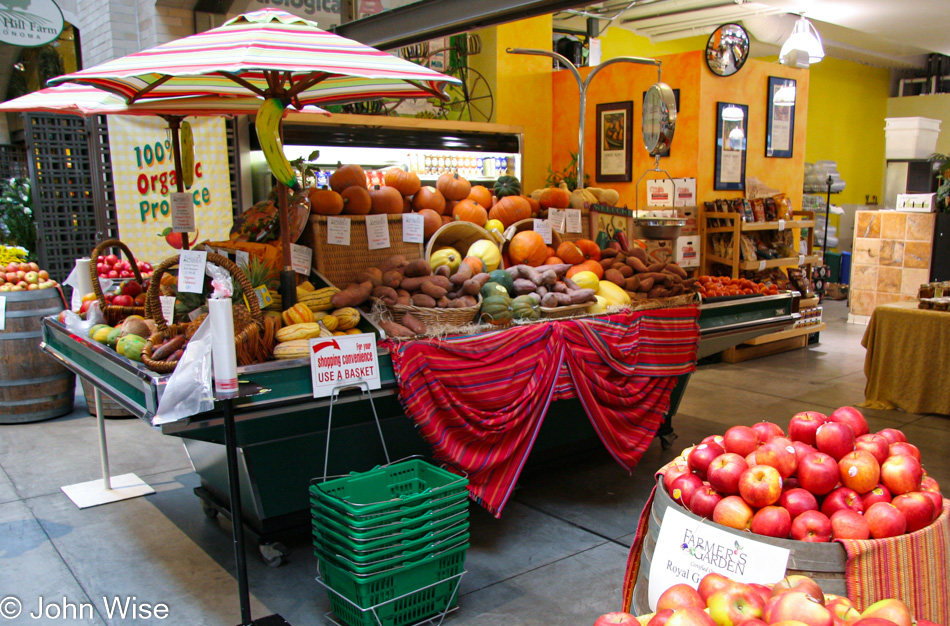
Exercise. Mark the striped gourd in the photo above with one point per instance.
(348, 318)
(293, 332)
(297, 314)
(296, 349)
(318, 300)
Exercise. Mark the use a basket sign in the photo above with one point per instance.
(343, 360)
(30, 23)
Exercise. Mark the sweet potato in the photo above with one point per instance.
(443, 270)
(392, 278)
(404, 300)
(615, 277)
(423, 300)
(528, 273)
(386, 294)
(676, 269)
(402, 292)
(355, 294)
(689, 283)
(558, 287)
(608, 263)
(524, 286)
(550, 300)
(646, 283)
(639, 253)
(535, 296)
(548, 277)
(609, 253)
(431, 289)
(470, 287)
(175, 356)
(658, 292)
(419, 267)
(414, 284)
(621, 257)
(624, 269)
(481, 278)
(443, 302)
(395, 330)
(395, 262)
(462, 302)
(581, 296)
(414, 324)
(370, 274)
(168, 348)
(441, 281)
(541, 292)
(677, 290)
(638, 266)
(559, 268)
(632, 283)
(570, 284)
(463, 273)
(656, 267)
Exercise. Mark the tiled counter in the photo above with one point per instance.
(891, 259)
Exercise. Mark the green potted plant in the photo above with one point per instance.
(942, 166)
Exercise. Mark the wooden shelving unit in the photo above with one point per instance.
(804, 220)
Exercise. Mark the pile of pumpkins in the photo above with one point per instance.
(452, 199)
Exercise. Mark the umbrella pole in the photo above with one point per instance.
(174, 124)
(288, 279)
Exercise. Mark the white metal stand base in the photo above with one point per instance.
(108, 488)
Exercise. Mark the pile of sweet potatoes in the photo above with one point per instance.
(643, 278)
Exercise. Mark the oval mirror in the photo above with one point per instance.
(727, 49)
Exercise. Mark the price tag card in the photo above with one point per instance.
(687, 549)
(413, 228)
(242, 258)
(338, 231)
(183, 212)
(761, 266)
(573, 220)
(781, 225)
(557, 219)
(660, 192)
(3, 312)
(377, 231)
(801, 259)
(543, 228)
(168, 308)
(344, 360)
(263, 296)
(300, 257)
(223, 252)
(685, 194)
(191, 270)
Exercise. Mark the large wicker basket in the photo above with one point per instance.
(458, 235)
(114, 314)
(522, 225)
(246, 339)
(436, 317)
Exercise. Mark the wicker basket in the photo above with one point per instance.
(528, 224)
(341, 264)
(460, 236)
(114, 314)
(436, 316)
(246, 339)
(585, 228)
(571, 310)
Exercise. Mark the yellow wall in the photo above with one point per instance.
(617, 42)
(848, 104)
(936, 107)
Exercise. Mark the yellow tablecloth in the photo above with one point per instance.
(908, 359)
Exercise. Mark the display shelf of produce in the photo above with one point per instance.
(769, 263)
(472, 179)
(747, 226)
(726, 323)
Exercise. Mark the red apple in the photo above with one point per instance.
(716, 439)
(885, 520)
(874, 621)
(724, 471)
(797, 501)
(852, 417)
(711, 583)
(12, 267)
(875, 444)
(918, 509)
(842, 498)
(799, 583)
(758, 622)
(750, 459)
(791, 483)
(811, 526)
(892, 435)
(900, 447)
(802, 449)
(24, 267)
(878, 494)
(835, 439)
(684, 486)
(778, 453)
(735, 604)
(701, 456)
(741, 440)
(803, 425)
(679, 596)
(842, 609)
(849, 524)
(767, 430)
(937, 501)
(798, 606)
(901, 474)
(928, 483)
(764, 592)
(703, 501)
(818, 473)
(732, 511)
(772, 521)
(624, 619)
(690, 616)
(891, 609)
(760, 485)
(672, 472)
(859, 470)
(659, 619)
(44, 275)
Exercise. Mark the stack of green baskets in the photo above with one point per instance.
(391, 542)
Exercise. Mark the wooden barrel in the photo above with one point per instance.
(33, 385)
(110, 408)
(824, 563)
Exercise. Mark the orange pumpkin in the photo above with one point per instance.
(527, 247)
(592, 266)
(385, 200)
(555, 197)
(432, 222)
(429, 198)
(589, 249)
(553, 260)
(551, 251)
(447, 219)
(406, 182)
(510, 209)
(569, 251)
(406, 204)
(477, 265)
(535, 206)
(453, 186)
(325, 202)
(347, 176)
(481, 195)
(356, 200)
(470, 211)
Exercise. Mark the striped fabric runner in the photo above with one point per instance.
(480, 400)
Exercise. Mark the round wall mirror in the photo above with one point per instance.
(727, 49)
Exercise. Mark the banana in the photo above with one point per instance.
(268, 133)
(187, 154)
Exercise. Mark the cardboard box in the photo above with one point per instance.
(687, 250)
(691, 215)
(658, 250)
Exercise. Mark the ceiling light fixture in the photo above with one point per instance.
(732, 113)
(803, 46)
(785, 96)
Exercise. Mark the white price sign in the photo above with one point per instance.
(687, 549)
(781, 225)
(168, 308)
(543, 228)
(242, 258)
(183, 212)
(191, 270)
(761, 266)
(377, 231)
(573, 220)
(338, 231)
(344, 360)
(558, 219)
(300, 257)
(413, 228)
(3, 312)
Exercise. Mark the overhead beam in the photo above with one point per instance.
(430, 19)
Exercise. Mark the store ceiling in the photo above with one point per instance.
(885, 33)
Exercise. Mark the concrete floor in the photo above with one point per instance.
(557, 556)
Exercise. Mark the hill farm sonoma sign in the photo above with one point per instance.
(30, 23)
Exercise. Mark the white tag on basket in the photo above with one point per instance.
(557, 219)
(168, 308)
(242, 258)
(338, 231)
(183, 212)
(413, 228)
(377, 231)
(573, 220)
(300, 257)
(543, 228)
(191, 270)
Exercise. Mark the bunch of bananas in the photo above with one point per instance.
(12, 254)
(268, 134)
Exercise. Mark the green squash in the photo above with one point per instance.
(507, 186)
(526, 308)
(130, 347)
(504, 279)
(491, 288)
(113, 337)
(496, 310)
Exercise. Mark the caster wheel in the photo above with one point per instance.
(273, 553)
(209, 511)
(666, 441)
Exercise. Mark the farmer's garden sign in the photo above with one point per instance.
(30, 23)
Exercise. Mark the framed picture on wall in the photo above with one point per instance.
(731, 124)
(780, 129)
(676, 95)
(615, 142)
